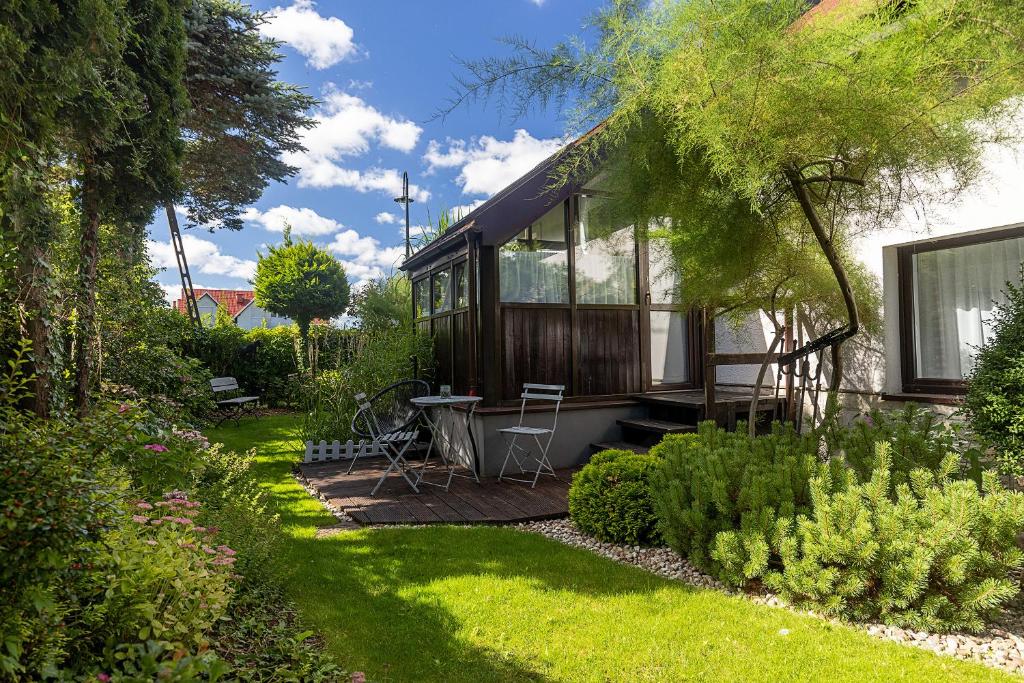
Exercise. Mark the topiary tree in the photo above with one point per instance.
(995, 387)
(610, 498)
(301, 281)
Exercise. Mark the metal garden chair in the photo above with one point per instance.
(523, 456)
(390, 419)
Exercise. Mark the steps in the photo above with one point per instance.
(618, 446)
(665, 415)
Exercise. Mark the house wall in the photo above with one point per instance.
(252, 316)
(874, 364)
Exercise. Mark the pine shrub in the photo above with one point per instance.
(995, 397)
(717, 482)
(937, 555)
(610, 498)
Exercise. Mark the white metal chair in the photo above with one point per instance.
(523, 456)
(390, 419)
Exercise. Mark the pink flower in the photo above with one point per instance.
(226, 550)
(140, 519)
(103, 677)
(358, 677)
(208, 550)
(183, 520)
(151, 541)
(190, 546)
(143, 505)
(222, 561)
(122, 409)
(212, 530)
(157, 522)
(155, 447)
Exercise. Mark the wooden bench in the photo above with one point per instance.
(232, 408)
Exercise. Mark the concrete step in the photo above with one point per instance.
(656, 426)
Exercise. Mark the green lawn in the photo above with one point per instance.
(493, 604)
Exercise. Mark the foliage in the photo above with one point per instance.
(917, 437)
(995, 387)
(301, 281)
(269, 369)
(716, 481)
(241, 119)
(383, 303)
(940, 555)
(377, 359)
(610, 498)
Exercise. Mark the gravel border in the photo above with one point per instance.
(1001, 646)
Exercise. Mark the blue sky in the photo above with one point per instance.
(381, 70)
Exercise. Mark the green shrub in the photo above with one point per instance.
(716, 481)
(174, 387)
(610, 498)
(917, 436)
(267, 372)
(995, 387)
(939, 555)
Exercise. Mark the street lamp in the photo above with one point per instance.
(406, 200)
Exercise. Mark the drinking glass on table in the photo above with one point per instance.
(446, 391)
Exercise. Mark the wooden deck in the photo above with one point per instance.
(466, 502)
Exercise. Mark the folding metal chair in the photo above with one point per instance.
(523, 456)
(390, 419)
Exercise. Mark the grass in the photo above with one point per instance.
(493, 604)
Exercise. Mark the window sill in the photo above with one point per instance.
(936, 399)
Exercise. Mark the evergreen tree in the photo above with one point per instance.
(241, 118)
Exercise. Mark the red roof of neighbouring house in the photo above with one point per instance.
(234, 300)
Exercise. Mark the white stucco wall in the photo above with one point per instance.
(253, 316)
(873, 365)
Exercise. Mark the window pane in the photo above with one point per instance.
(442, 290)
(955, 292)
(664, 275)
(605, 258)
(533, 266)
(421, 296)
(668, 348)
(461, 286)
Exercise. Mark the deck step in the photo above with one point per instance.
(654, 426)
(618, 446)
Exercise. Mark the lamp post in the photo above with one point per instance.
(406, 200)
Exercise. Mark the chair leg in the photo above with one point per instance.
(508, 453)
(542, 461)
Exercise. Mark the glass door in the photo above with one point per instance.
(668, 326)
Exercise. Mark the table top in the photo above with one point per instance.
(427, 401)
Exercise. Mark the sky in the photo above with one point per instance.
(382, 70)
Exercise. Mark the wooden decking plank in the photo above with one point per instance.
(422, 514)
(468, 512)
(438, 506)
(390, 512)
(532, 506)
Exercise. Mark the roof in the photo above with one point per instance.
(507, 212)
(234, 300)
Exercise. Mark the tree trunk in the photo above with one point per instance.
(796, 181)
(32, 276)
(89, 255)
(303, 323)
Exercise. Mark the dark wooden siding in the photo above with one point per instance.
(442, 350)
(609, 351)
(460, 352)
(536, 347)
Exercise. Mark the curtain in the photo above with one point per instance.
(955, 293)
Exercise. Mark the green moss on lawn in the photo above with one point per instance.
(493, 604)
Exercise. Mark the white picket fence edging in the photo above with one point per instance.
(323, 451)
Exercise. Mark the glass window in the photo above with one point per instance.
(442, 290)
(605, 257)
(668, 348)
(533, 266)
(663, 273)
(955, 291)
(421, 297)
(461, 286)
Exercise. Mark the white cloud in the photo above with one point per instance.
(303, 221)
(363, 256)
(487, 164)
(203, 256)
(538, 3)
(347, 126)
(384, 217)
(171, 292)
(323, 41)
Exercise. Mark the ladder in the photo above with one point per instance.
(186, 278)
